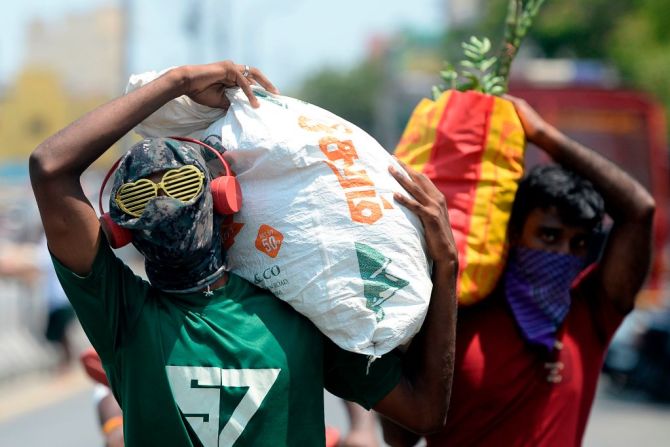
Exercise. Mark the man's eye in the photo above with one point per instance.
(580, 242)
(549, 236)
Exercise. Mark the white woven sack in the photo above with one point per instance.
(319, 227)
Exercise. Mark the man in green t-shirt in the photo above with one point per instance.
(197, 356)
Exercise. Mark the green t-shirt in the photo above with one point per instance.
(237, 367)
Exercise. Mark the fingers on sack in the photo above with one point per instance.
(425, 184)
(408, 203)
(409, 184)
(412, 173)
(245, 85)
(264, 82)
(400, 178)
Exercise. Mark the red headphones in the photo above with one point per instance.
(226, 194)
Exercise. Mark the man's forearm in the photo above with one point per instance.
(624, 197)
(436, 343)
(74, 148)
(421, 399)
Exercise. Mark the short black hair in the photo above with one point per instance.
(547, 186)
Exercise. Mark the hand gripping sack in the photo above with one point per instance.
(319, 227)
(471, 146)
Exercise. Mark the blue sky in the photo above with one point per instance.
(285, 38)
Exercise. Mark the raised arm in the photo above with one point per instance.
(627, 255)
(70, 223)
(421, 399)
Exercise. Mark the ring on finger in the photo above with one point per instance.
(245, 73)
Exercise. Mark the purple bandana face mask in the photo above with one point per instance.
(537, 288)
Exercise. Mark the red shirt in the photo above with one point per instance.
(502, 394)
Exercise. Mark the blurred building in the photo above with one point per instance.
(71, 65)
(85, 50)
(36, 106)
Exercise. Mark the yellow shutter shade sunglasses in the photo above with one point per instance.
(183, 184)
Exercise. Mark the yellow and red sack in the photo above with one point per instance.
(471, 146)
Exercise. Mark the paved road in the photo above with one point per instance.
(615, 421)
(60, 413)
(70, 422)
(625, 421)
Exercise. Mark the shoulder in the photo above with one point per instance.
(271, 310)
(481, 315)
(590, 307)
(248, 294)
(104, 264)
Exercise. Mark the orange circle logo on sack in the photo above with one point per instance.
(269, 240)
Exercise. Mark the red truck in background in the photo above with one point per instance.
(626, 127)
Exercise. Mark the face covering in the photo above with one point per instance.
(180, 241)
(537, 289)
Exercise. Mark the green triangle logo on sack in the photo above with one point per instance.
(378, 284)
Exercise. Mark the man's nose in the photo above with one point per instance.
(160, 191)
(564, 247)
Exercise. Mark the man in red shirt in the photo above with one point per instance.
(528, 357)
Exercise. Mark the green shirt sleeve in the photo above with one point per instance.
(107, 301)
(348, 376)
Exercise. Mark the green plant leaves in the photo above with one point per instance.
(482, 72)
(476, 71)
